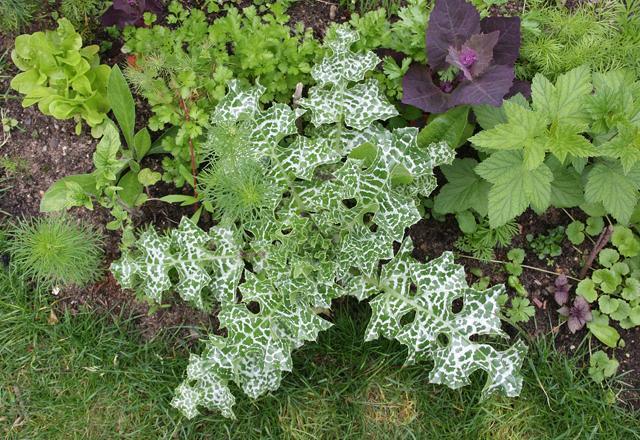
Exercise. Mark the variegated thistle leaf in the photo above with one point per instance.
(256, 350)
(436, 331)
(332, 100)
(186, 252)
(342, 195)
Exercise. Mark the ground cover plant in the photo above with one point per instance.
(320, 220)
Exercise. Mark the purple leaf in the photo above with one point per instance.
(561, 296)
(483, 45)
(561, 281)
(489, 88)
(562, 287)
(508, 47)
(124, 12)
(577, 315)
(451, 23)
(420, 91)
(519, 86)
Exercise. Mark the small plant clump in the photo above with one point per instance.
(55, 251)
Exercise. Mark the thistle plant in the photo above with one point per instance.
(321, 211)
(55, 251)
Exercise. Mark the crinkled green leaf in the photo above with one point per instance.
(514, 186)
(607, 183)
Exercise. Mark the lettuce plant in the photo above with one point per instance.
(471, 61)
(331, 204)
(65, 79)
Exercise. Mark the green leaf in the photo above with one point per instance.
(122, 104)
(631, 291)
(600, 328)
(608, 257)
(575, 232)
(626, 241)
(131, 188)
(142, 143)
(595, 225)
(601, 367)
(449, 127)
(521, 310)
(148, 177)
(514, 187)
(438, 283)
(61, 194)
(464, 189)
(587, 289)
(184, 200)
(607, 304)
(608, 279)
(466, 222)
(516, 255)
(566, 187)
(606, 183)
(625, 146)
(564, 102)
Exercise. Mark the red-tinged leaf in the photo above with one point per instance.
(577, 315)
(508, 47)
(451, 23)
(489, 88)
(420, 91)
(124, 12)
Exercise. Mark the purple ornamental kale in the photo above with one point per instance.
(484, 51)
(124, 12)
(578, 314)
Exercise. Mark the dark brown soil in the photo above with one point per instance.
(317, 15)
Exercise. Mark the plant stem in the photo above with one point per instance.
(522, 265)
(602, 242)
(192, 152)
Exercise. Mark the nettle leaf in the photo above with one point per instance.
(514, 186)
(608, 184)
(564, 102)
(148, 266)
(625, 146)
(465, 189)
(438, 333)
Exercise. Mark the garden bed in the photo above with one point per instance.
(43, 150)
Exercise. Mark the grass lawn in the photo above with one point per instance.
(91, 377)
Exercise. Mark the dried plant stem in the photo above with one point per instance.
(524, 266)
(601, 243)
(192, 152)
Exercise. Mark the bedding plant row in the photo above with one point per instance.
(299, 159)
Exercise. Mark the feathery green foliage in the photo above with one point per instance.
(17, 14)
(55, 251)
(83, 14)
(604, 35)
